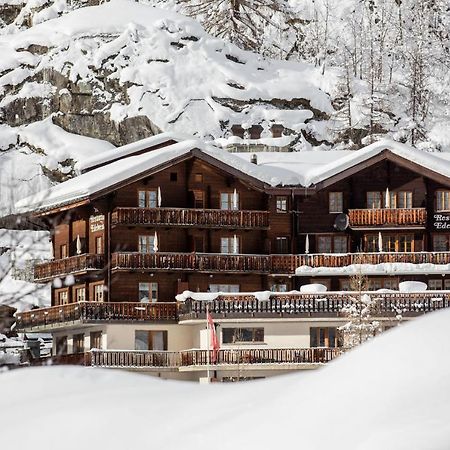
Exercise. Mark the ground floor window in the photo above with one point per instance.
(279, 287)
(438, 285)
(383, 283)
(61, 345)
(150, 340)
(238, 335)
(148, 292)
(78, 343)
(96, 339)
(323, 337)
(80, 294)
(441, 242)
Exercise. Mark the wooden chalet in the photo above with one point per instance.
(144, 223)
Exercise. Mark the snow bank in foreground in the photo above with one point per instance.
(393, 393)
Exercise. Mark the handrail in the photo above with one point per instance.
(191, 216)
(97, 312)
(387, 216)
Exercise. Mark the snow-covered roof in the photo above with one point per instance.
(129, 149)
(295, 169)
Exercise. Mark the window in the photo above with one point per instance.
(279, 287)
(148, 199)
(63, 297)
(336, 202)
(96, 339)
(198, 178)
(282, 202)
(323, 337)
(150, 340)
(442, 200)
(99, 245)
(404, 199)
(63, 251)
(238, 335)
(98, 292)
(61, 345)
(148, 292)
(229, 200)
(78, 343)
(147, 244)
(230, 245)
(374, 200)
(282, 245)
(173, 176)
(447, 285)
(383, 283)
(441, 242)
(344, 284)
(331, 244)
(199, 199)
(223, 288)
(390, 243)
(80, 294)
(434, 285)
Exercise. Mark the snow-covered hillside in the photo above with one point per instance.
(392, 393)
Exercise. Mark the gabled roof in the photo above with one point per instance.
(312, 169)
(134, 148)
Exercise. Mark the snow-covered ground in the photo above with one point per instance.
(392, 393)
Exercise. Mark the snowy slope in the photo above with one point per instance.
(170, 69)
(392, 394)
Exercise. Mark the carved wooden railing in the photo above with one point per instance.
(60, 267)
(299, 304)
(288, 263)
(190, 217)
(387, 216)
(163, 359)
(97, 312)
(191, 261)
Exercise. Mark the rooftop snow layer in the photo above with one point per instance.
(129, 149)
(300, 169)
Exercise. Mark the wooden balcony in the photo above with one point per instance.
(195, 359)
(208, 218)
(328, 304)
(61, 267)
(347, 259)
(398, 217)
(201, 262)
(95, 312)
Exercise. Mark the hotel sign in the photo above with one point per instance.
(97, 223)
(441, 221)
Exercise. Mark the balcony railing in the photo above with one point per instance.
(195, 358)
(387, 217)
(60, 267)
(306, 305)
(207, 262)
(212, 218)
(96, 312)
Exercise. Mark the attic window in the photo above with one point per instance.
(173, 176)
(198, 178)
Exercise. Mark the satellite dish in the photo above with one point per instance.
(341, 222)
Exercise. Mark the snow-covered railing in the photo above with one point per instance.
(61, 267)
(96, 312)
(388, 217)
(190, 217)
(302, 304)
(194, 357)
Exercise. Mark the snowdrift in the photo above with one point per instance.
(392, 393)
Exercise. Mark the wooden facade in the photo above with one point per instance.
(198, 225)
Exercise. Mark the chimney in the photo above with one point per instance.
(254, 159)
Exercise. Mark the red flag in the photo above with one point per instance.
(214, 340)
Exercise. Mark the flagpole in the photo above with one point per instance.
(207, 347)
